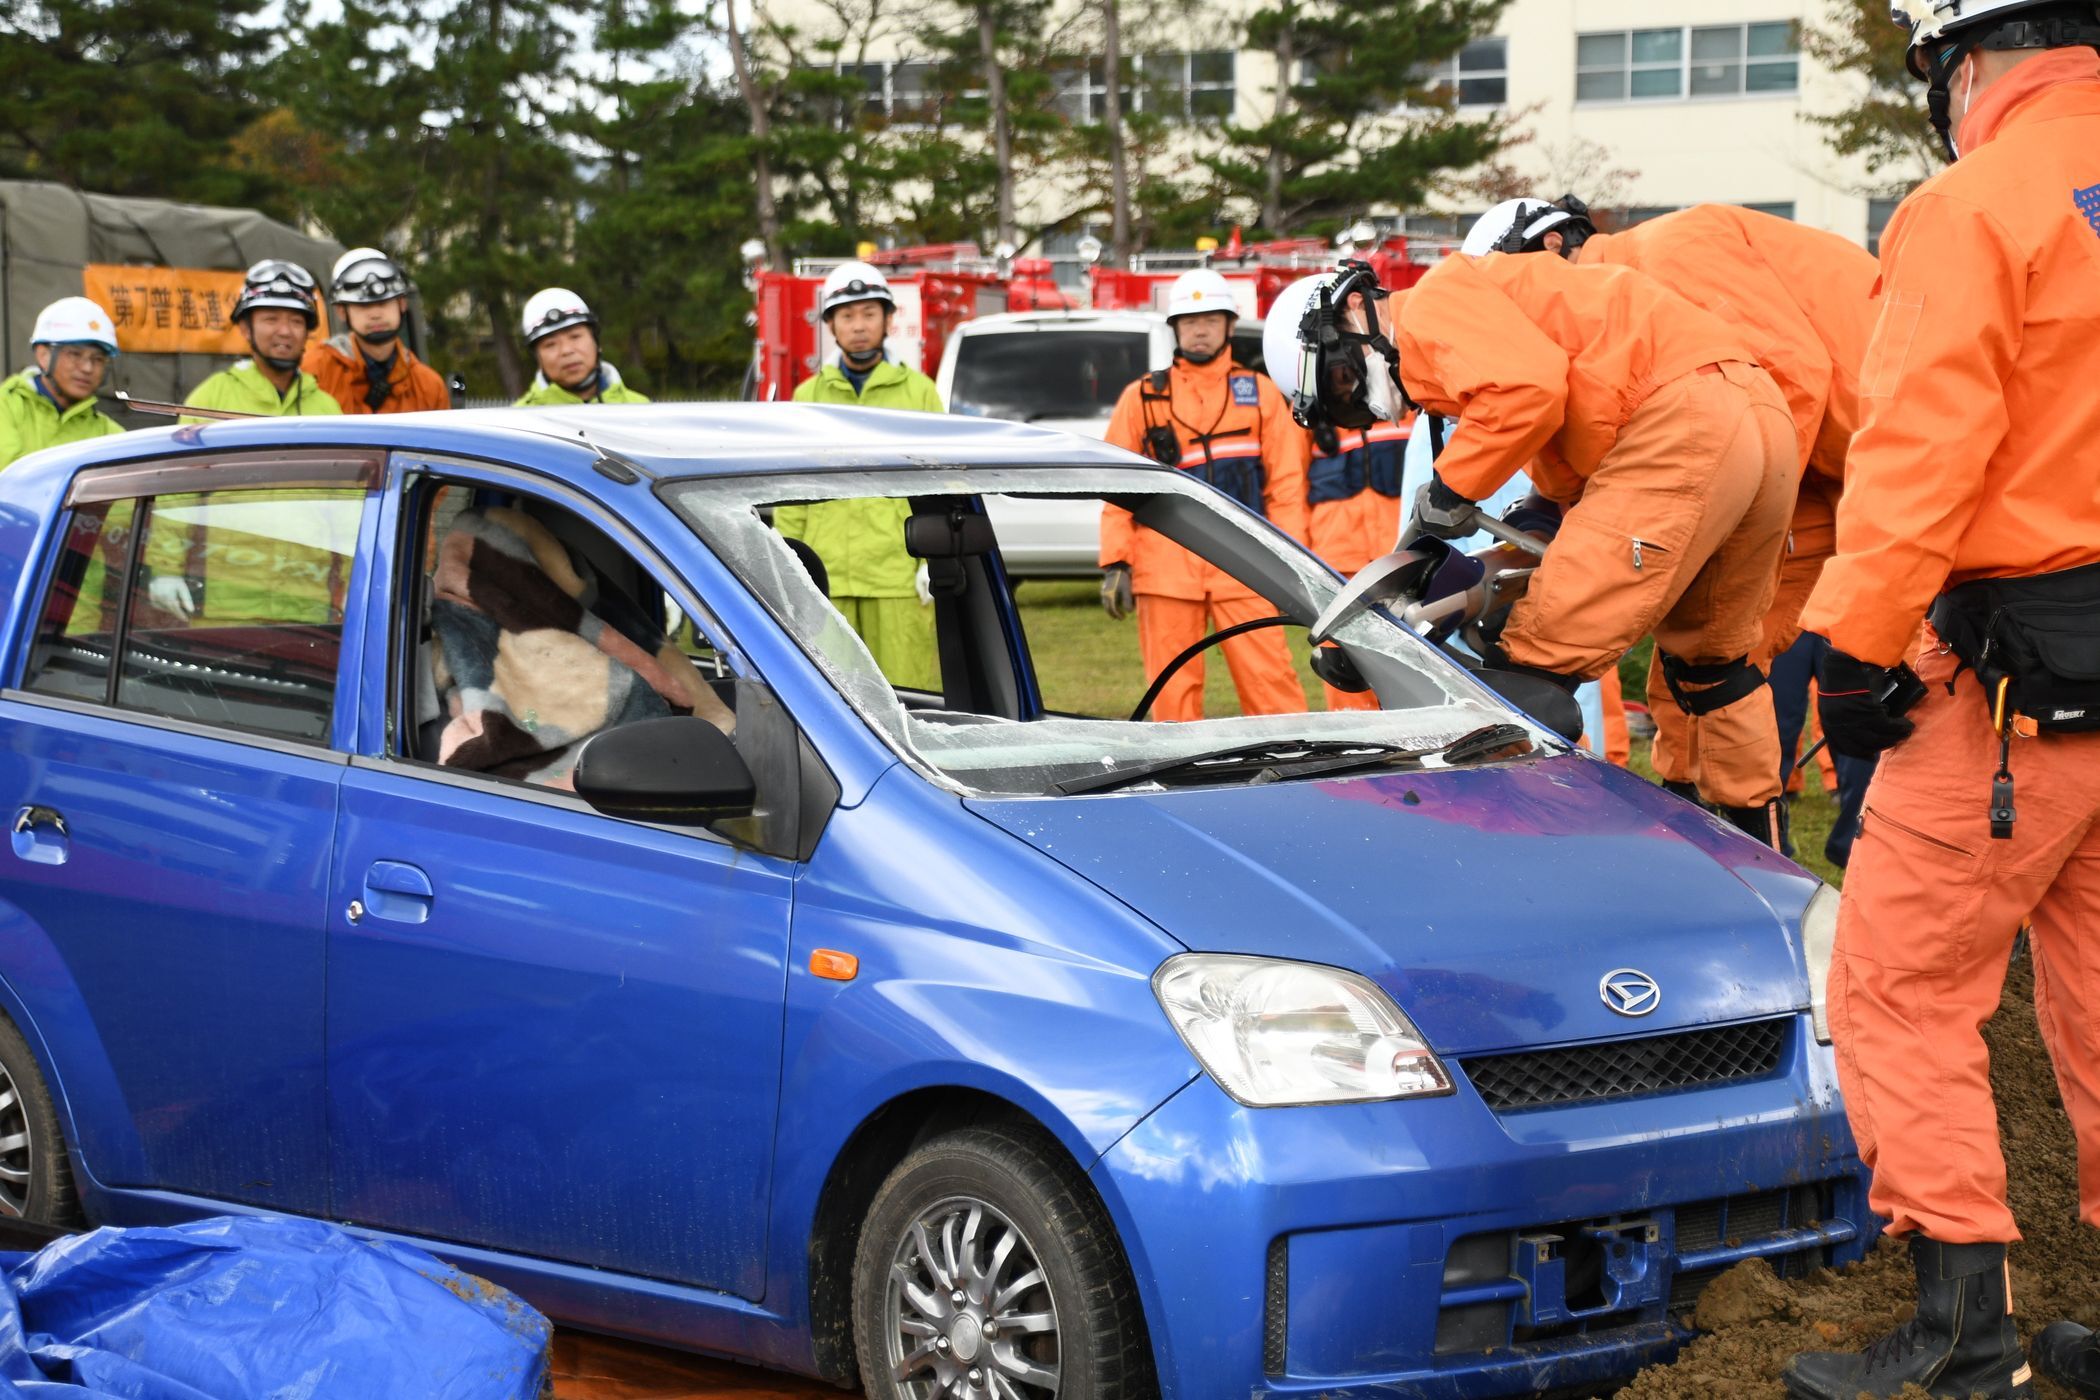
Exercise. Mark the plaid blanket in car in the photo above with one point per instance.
(531, 657)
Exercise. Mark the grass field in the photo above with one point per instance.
(1088, 664)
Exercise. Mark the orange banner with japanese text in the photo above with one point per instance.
(168, 310)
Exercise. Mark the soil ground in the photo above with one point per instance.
(1757, 1322)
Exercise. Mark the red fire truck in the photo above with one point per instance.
(940, 286)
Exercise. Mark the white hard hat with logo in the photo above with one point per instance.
(555, 309)
(1199, 291)
(1943, 33)
(75, 321)
(850, 282)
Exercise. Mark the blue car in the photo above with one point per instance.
(482, 829)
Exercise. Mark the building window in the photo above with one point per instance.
(1727, 60)
(1188, 86)
(897, 91)
(1879, 212)
(1784, 209)
(1642, 213)
(1477, 73)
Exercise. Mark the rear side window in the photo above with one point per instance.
(218, 607)
(1029, 376)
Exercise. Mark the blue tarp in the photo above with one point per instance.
(239, 1308)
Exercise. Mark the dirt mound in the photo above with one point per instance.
(1755, 1321)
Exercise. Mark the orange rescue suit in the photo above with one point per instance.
(1975, 458)
(1677, 454)
(1233, 427)
(340, 367)
(1803, 299)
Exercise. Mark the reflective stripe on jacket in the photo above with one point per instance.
(1247, 429)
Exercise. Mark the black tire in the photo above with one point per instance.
(1017, 1180)
(36, 1180)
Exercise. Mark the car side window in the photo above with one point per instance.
(534, 630)
(216, 607)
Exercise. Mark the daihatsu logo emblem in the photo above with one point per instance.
(1629, 991)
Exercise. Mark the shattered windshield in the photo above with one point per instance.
(842, 561)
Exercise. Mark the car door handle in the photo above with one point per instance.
(40, 835)
(398, 891)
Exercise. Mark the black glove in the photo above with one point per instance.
(1535, 515)
(1116, 598)
(1861, 706)
(1440, 512)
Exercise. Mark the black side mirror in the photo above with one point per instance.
(1551, 705)
(953, 534)
(680, 770)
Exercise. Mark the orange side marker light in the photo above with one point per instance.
(832, 964)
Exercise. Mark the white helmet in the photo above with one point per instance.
(1928, 20)
(853, 281)
(366, 275)
(1198, 291)
(555, 309)
(1331, 375)
(74, 321)
(1944, 32)
(1521, 225)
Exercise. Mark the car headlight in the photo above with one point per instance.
(1274, 1033)
(1819, 931)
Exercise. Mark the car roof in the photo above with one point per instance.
(663, 440)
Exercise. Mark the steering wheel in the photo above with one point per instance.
(1191, 652)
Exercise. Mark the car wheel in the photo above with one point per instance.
(36, 1181)
(988, 1270)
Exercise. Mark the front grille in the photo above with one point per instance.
(1275, 1340)
(1619, 1069)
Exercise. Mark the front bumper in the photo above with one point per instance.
(1434, 1248)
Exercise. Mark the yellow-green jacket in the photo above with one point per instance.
(243, 389)
(243, 576)
(862, 542)
(544, 393)
(30, 421)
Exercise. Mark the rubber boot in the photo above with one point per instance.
(1769, 823)
(2069, 1355)
(1960, 1343)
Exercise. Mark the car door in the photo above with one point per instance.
(551, 1032)
(170, 776)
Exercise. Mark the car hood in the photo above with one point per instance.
(1490, 902)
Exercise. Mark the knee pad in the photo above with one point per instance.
(1722, 682)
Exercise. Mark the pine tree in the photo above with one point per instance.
(133, 97)
(1352, 123)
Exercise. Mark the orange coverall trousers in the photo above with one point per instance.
(1678, 532)
(1259, 661)
(1931, 905)
(1811, 539)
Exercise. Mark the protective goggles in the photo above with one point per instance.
(276, 278)
(1347, 377)
(371, 281)
(560, 318)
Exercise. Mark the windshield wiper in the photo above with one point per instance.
(1273, 759)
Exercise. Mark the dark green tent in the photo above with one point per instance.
(51, 235)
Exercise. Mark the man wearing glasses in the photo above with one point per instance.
(53, 401)
(277, 310)
(369, 369)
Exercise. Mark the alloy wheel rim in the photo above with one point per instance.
(14, 1149)
(968, 1314)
